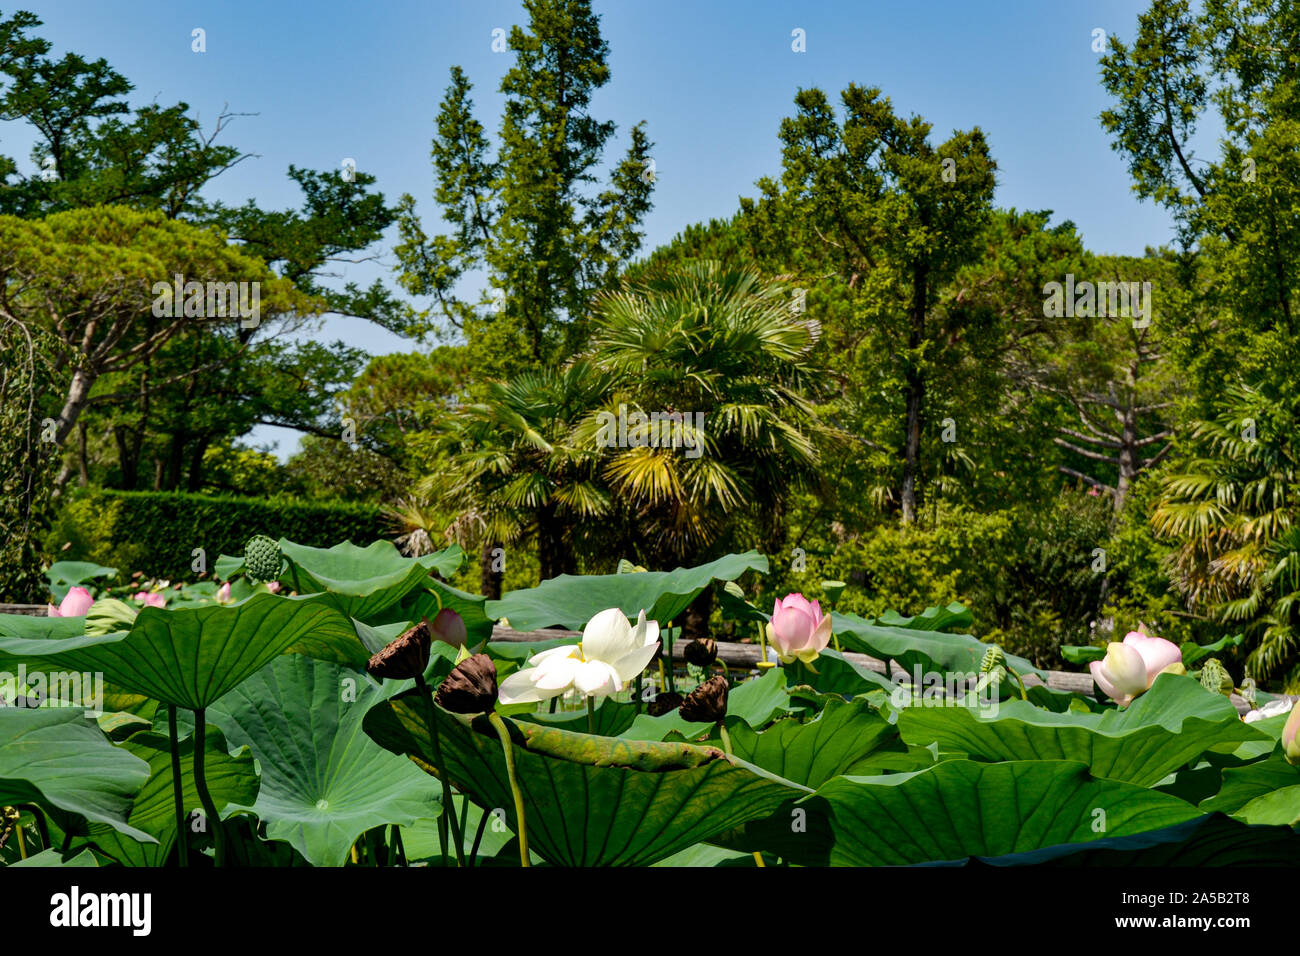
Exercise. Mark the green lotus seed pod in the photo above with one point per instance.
(262, 558)
(1215, 677)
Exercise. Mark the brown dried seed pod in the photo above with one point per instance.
(707, 704)
(664, 703)
(470, 688)
(701, 652)
(405, 658)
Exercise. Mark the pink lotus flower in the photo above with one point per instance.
(223, 593)
(797, 629)
(150, 599)
(1130, 669)
(74, 604)
(449, 628)
(273, 587)
(1291, 746)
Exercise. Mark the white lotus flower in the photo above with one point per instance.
(612, 653)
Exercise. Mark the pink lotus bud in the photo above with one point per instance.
(273, 587)
(449, 628)
(1132, 667)
(1290, 746)
(797, 629)
(150, 599)
(223, 593)
(75, 604)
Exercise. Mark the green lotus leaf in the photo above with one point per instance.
(324, 782)
(191, 657)
(1213, 840)
(959, 809)
(1164, 729)
(845, 738)
(58, 756)
(231, 779)
(63, 576)
(572, 600)
(928, 651)
(754, 701)
(1280, 807)
(1241, 785)
(52, 858)
(363, 582)
(931, 619)
(589, 800)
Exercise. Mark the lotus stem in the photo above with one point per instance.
(478, 835)
(178, 790)
(758, 859)
(38, 818)
(464, 813)
(726, 739)
(448, 809)
(1023, 694)
(668, 646)
(22, 846)
(508, 749)
(205, 798)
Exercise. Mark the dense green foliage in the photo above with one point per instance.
(157, 532)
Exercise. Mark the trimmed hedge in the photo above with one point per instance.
(157, 532)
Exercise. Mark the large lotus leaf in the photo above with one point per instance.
(435, 595)
(572, 600)
(589, 800)
(919, 651)
(191, 657)
(52, 858)
(844, 739)
(363, 582)
(58, 756)
(1164, 729)
(63, 576)
(1241, 785)
(959, 809)
(231, 779)
(931, 619)
(1281, 807)
(324, 782)
(836, 674)
(612, 717)
(1213, 840)
(754, 701)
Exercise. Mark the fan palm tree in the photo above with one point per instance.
(509, 472)
(723, 348)
(1234, 508)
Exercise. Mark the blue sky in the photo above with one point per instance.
(335, 79)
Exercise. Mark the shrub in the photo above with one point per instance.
(157, 532)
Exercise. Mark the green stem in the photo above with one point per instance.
(668, 648)
(399, 848)
(38, 818)
(448, 810)
(591, 715)
(178, 790)
(478, 837)
(508, 748)
(1023, 694)
(205, 798)
(726, 738)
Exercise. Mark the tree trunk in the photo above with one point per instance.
(490, 579)
(83, 380)
(554, 554)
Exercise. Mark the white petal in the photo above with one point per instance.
(634, 662)
(607, 636)
(566, 650)
(556, 673)
(595, 677)
(518, 688)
